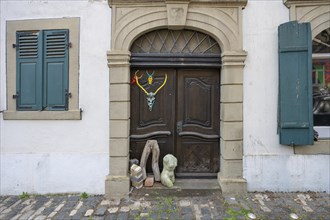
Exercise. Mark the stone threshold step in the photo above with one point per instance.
(189, 184)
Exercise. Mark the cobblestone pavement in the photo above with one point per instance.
(168, 204)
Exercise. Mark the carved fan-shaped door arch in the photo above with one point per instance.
(171, 41)
(175, 48)
(185, 116)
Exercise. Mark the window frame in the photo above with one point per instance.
(314, 12)
(322, 129)
(322, 145)
(13, 26)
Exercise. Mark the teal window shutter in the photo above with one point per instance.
(295, 84)
(56, 70)
(29, 71)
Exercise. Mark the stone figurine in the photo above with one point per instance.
(167, 177)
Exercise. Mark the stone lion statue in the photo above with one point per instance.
(167, 177)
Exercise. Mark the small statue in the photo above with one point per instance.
(167, 176)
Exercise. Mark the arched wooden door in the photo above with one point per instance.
(185, 116)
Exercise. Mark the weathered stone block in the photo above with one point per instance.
(232, 93)
(231, 149)
(118, 166)
(231, 131)
(231, 168)
(231, 75)
(120, 75)
(119, 128)
(120, 110)
(231, 112)
(120, 92)
(117, 187)
(232, 186)
(119, 147)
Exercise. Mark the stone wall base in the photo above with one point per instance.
(232, 186)
(117, 187)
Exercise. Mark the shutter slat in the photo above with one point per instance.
(27, 44)
(295, 84)
(56, 44)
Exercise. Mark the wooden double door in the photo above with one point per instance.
(184, 118)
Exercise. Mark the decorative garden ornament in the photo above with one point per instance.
(167, 177)
(150, 95)
(151, 147)
(150, 77)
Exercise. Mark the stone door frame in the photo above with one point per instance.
(222, 20)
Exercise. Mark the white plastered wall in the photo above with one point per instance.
(267, 164)
(43, 156)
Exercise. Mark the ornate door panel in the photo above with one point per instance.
(184, 119)
(197, 126)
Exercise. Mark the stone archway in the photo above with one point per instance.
(220, 19)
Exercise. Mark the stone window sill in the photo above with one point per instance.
(42, 115)
(319, 147)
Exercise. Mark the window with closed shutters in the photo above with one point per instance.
(42, 70)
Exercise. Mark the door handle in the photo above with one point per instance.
(179, 127)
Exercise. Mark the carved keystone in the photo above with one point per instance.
(177, 15)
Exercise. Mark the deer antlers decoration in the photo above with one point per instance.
(150, 95)
(133, 80)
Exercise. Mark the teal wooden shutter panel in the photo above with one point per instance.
(295, 84)
(56, 69)
(29, 71)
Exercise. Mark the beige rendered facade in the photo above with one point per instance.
(220, 19)
(37, 147)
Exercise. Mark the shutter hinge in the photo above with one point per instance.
(69, 45)
(15, 96)
(67, 96)
(15, 45)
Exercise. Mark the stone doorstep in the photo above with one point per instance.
(189, 184)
